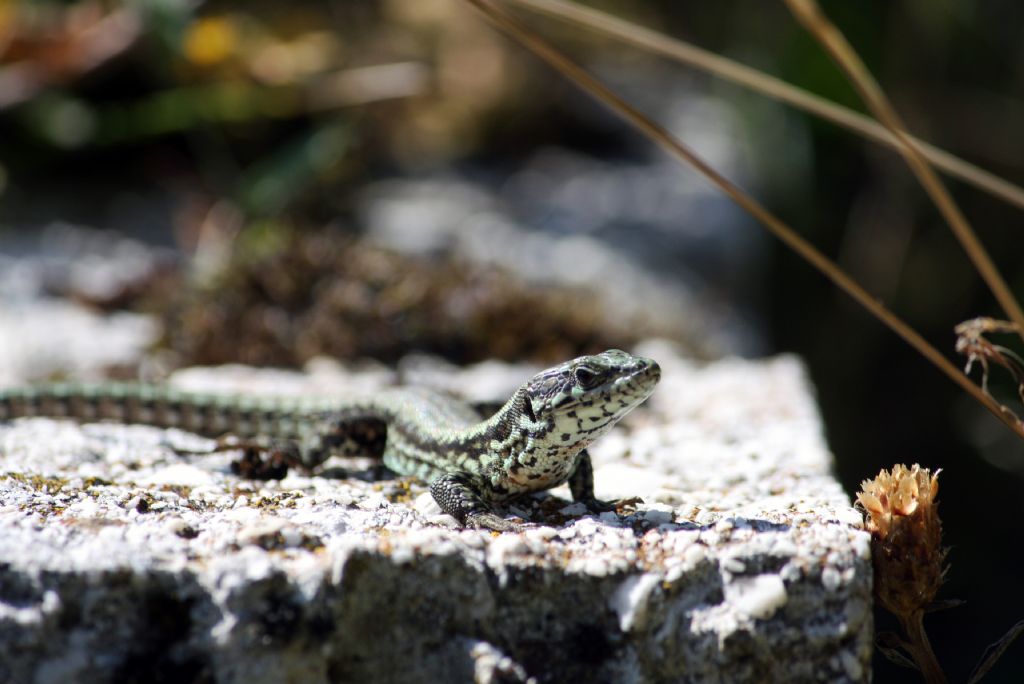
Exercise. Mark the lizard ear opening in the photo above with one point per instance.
(528, 408)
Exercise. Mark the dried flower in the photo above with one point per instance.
(906, 547)
(906, 537)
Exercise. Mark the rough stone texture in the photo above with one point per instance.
(122, 561)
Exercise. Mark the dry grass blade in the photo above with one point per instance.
(809, 13)
(994, 652)
(894, 649)
(944, 604)
(681, 51)
(514, 28)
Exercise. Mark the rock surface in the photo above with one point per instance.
(121, 560)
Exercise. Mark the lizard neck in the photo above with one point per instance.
(513, 423)
(520, 452)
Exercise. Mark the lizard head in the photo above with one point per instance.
(580, 400)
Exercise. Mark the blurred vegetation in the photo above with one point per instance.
(163, 117)
(287, 296)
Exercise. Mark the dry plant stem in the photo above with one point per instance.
(681, 51)
(809, 13)
(921, 649)
(777, 227)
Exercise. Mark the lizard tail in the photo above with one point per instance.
(210, 415)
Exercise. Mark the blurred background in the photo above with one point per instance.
(267, 182)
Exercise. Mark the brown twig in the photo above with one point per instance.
(514, 28)
(809, 13)
(920, 649)
(730, 70)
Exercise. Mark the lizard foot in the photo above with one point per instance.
(490, 521)
(599, 506)
(260, 462)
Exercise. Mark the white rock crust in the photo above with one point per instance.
(120, 559)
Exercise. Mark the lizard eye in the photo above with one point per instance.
(586, 378)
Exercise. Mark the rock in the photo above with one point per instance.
(744, 562)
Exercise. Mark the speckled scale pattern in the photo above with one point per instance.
(536, 441)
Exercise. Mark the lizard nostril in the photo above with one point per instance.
(654, 370)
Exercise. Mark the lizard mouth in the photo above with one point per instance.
(631, 388)
(639, 382)
(642, 383)
(626, 383)
(648, 373)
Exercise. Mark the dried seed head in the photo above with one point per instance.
(906, 537)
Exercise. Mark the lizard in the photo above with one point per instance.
(537, 440)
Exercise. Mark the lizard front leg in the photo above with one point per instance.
(459, 497)
(581, 484)
(270, 458)
(261, 459)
